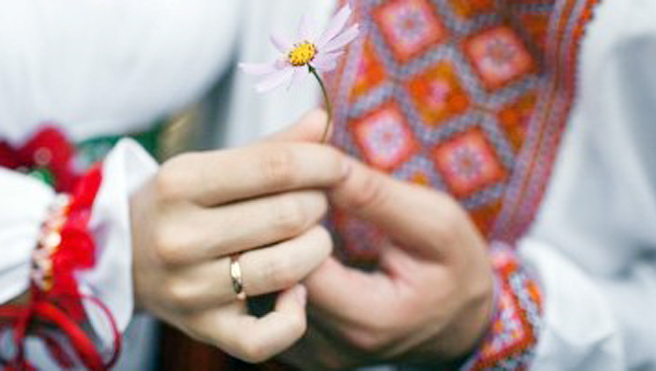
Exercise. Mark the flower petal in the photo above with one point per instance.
(326, 62)
(342, 40)
(325, 65)
(305, 29)
(326, 59)
(283, 44)
(275, 80)
(299, 75)
(258, 68)
(335, 26)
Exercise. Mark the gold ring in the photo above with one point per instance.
(235, 275)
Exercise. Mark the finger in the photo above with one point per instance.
(257, 339)
(264, 271)
(280, 267)
(219, 177)
(352, 296)
(416, 217)
(246, 225)
(309, 128)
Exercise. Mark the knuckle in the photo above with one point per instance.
(170, 247)
(335, 161)
(278, 168)
(178, 294)
(253, 350)
(168, 183)
(297, 325)
(289, 215)
(371, 192)
(257, 349)
(280, 272)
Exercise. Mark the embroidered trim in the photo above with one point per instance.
(523, 197)
(65, 245)
(511, 340)
(42, 272)
(470, 98)
(472, 101)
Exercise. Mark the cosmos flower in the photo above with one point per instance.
(307, 55)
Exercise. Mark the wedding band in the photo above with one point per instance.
(235, 275)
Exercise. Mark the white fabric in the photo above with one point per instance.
(595, 237)
(251, 114)
(125, 170)
(98, 67)
(593, 245)
(23, 203)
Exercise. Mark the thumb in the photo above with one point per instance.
(421, 220)
(309, 128)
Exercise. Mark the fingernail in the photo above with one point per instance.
(301, 295)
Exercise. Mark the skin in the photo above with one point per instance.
(429, 303)
(262, 201)
(431, 300)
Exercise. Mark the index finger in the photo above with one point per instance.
(219, 177)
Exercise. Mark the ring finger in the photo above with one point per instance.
(263, 270)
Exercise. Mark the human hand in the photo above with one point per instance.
(431, 300)
(203, 207)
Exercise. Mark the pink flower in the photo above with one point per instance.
(308, 54)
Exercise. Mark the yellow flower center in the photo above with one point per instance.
(302, 54)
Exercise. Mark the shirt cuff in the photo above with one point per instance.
(512, 338)
(125, 170)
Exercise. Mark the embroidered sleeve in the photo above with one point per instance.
(513, 334)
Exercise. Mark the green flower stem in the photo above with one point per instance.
(326, 99)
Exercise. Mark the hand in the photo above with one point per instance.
(431, 300)
(203, 207)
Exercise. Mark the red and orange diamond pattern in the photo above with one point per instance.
(385, 137)
(430, 85)
(469, 97)
(409, 27)
(468, 163)
(458, 86)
